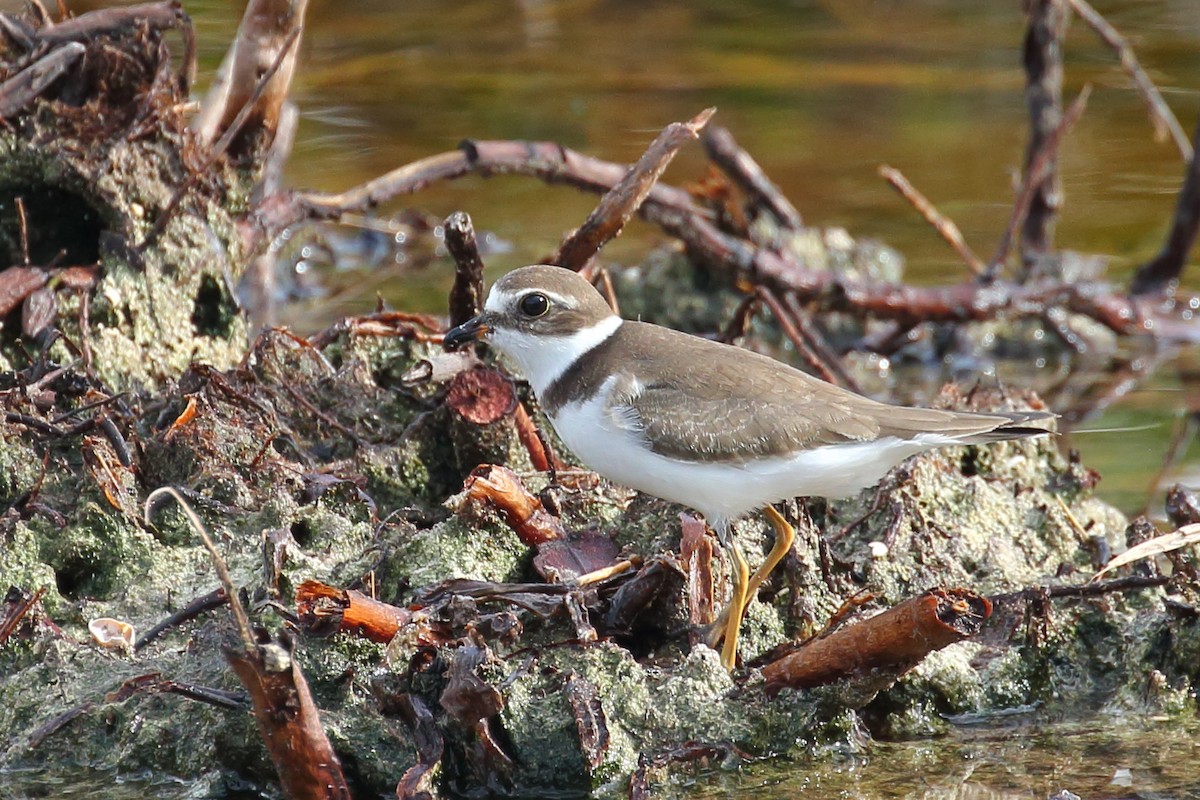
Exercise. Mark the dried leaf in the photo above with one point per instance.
(1185, 536)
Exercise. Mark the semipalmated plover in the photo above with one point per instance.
(711, 426)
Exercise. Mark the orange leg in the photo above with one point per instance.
(785, 534)
(736, 608)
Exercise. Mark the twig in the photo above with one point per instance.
(466, 295)
(890, 643)
(288, 719)
(942, 224)
(1040, 167)
(206, 602)
(819, 344)
(1161, 117)
(16, 605)
(600, 273)
(266, 35)
(674, 212)
(786, 323)
(739, 322)
(283, 706)
(241, 620)
(502, 489)
(783, 273)
(1130, 583)
(108, 21)
(742, 169)
(323, 610)
(328, 419)
(23, 228)
(1164, 269)
(549, 161)
(623, 200)
(27, 85)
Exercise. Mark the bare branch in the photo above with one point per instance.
(264, 44)
(1161, 117)
(743, 170)
(622, 201)
(1164, 269)
(940, 223)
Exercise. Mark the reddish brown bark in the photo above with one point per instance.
(288, 720)
(324, 610)
(621, 202)
(524, 513)
(892, 642)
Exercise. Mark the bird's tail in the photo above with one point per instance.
(1012, 425)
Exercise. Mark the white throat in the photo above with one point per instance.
(543, 358)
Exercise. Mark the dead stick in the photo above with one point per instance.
(892, 642)
(219, 148)
(466, 295)
(288, 719)
(1039, 168)
(27, 85)
(674, 212)
(900, 302)
(206, 602)
(549, 161)
(540, 456)
(1041, 55)
(817, 343)
(106, 21)
(1161, 117)
(1164, 269)
(265, 35)
(501, 488)
(23, 225)
(784, 318)
(739, 321)
(743, 170)
(16, 605)
(940, 223)
(622, 201)
(324, 610)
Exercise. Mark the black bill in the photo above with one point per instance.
(470, 331)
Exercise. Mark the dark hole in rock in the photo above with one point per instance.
(63, 228)
(970, 463)
(214, 310)
(302, 532)
(77, 578)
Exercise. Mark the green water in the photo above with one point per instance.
(996, 762)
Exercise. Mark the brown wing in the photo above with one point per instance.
(723, 403)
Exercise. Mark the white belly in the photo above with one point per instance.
(724, 491)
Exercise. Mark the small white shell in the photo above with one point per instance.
(877, 549)
(112, 633)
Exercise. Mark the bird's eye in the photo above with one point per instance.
(534, 305)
